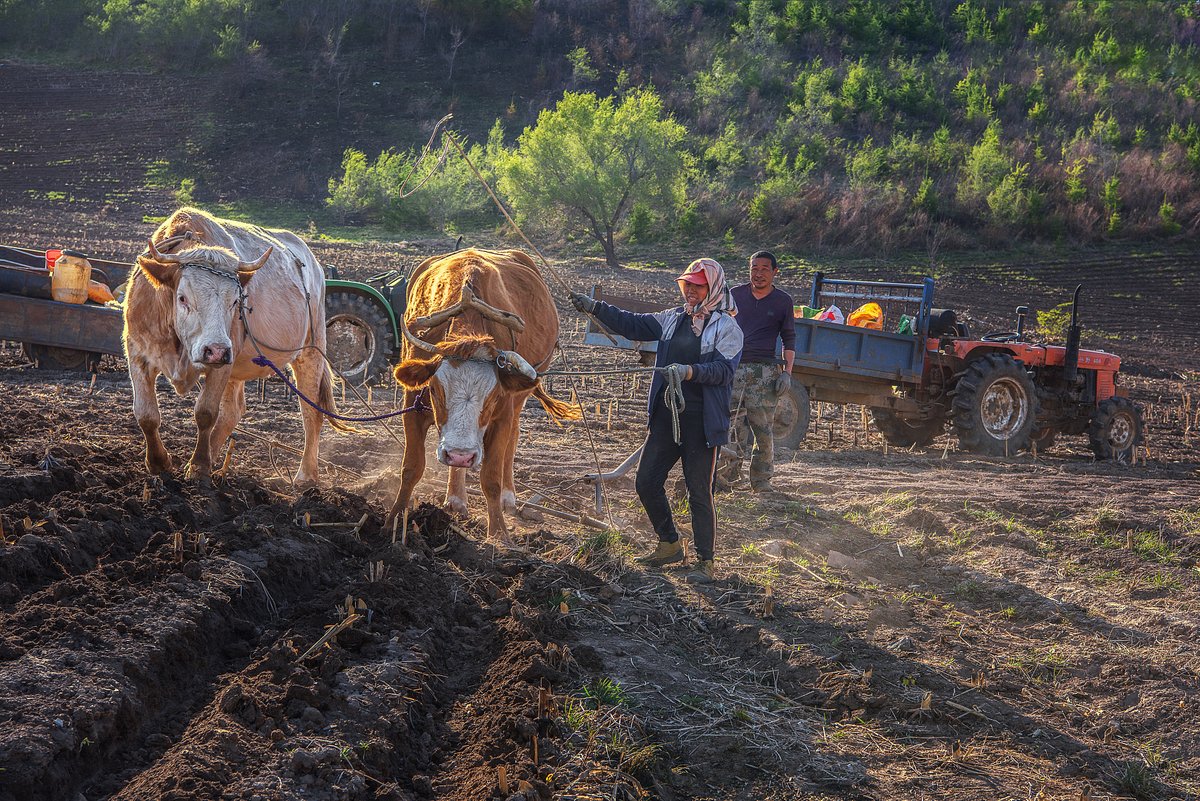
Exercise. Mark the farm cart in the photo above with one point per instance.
(1000, 392)
(361, 331)
(53, 335)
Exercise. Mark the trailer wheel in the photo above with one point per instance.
(995, 406)
(904, 433)
(791, 417)
(1116, 430)
(358, 335)
(48, 357)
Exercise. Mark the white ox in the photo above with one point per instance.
(202, 281)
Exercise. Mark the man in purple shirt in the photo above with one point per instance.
(765, 315)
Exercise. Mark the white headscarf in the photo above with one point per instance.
(718, 297)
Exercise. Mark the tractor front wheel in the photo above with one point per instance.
(995, 406)
(1116, 430)
(906, 433)
(358, 336)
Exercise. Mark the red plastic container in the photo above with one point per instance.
(51, 257)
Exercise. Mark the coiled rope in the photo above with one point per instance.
(673, 397)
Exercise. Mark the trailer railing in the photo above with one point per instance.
(916, 297)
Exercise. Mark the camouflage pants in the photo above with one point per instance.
(753, 406)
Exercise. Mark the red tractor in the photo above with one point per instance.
(1064, 390)
(1001, 393)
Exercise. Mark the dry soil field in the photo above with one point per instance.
(889, 625)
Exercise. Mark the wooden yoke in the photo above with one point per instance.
(471, 301)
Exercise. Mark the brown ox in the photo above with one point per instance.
(184, 319)
(486, 324)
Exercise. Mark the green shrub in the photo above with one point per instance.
(1009, 201)
(185, 194)
(1075, 189)
(1166, 218)
(1053, 323)
(641, 225)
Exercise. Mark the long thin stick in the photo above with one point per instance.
(574, 518)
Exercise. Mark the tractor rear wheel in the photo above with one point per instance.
(1116, 430)
(906, 433)
(995, 406)
(358, 336)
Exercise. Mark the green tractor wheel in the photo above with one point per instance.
(358, 336)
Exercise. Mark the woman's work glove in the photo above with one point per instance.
(683, 371)
(582, 302)
(783, 383)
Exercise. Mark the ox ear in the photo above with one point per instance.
(245, 271)
(415, 373)
(158, 273)
(159, 269)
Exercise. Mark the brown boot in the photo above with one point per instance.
(664, 554)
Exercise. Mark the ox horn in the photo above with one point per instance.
(249, 267)
(471, 301)
(162, 258)
(512, 361)
(420, 344)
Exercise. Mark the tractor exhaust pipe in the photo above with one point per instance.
(1071, 357)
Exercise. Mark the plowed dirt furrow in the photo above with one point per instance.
(142, 665)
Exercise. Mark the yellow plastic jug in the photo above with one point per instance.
(69, 283)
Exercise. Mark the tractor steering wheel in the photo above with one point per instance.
(1001, 336)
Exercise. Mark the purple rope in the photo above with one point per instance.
(418, 406)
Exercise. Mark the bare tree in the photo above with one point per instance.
(423, 6)
(339, 71)
(457, 40)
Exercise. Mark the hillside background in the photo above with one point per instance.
(855, 126)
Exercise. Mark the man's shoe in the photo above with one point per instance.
(703, 572)
(664, 554)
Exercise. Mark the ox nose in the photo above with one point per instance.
(215, 354)
(460, 458)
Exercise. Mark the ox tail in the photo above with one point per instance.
(327, 402)
(558, 410)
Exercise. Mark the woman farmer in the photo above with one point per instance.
(699, 345)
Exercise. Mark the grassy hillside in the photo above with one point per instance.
(841, 124)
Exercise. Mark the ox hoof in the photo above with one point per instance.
(301, 484)
(197, 472)
(160, 465)
(456, 506)
(508, 501)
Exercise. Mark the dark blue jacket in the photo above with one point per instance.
(720, 351)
